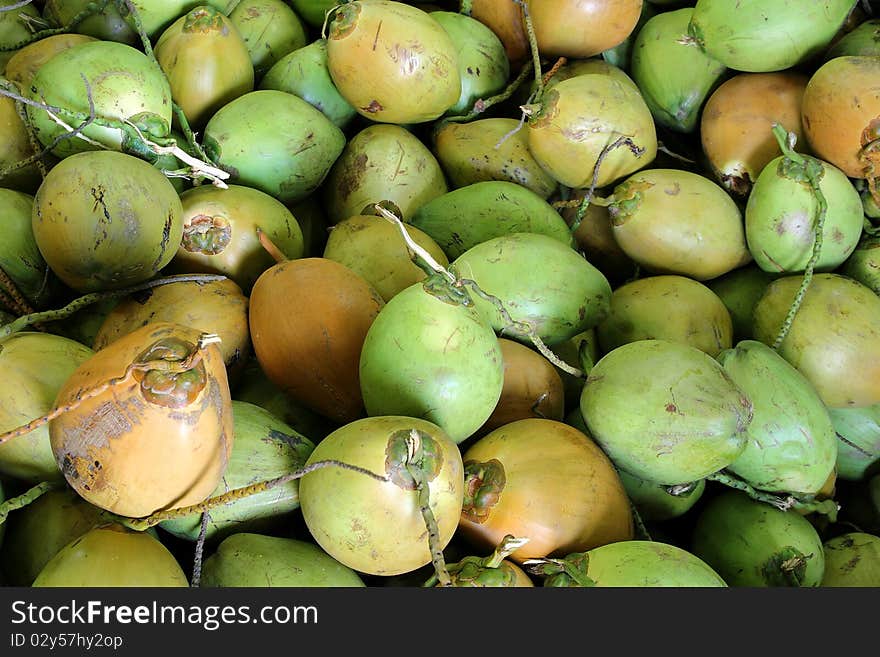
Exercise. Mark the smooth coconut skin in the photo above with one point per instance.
(465, 217)
(411, 60)
(274, 141)
(840, 108)
(112, 556)
(751, 543)
(532, 387)
(105, 220)
(546, 481)
(504, 18)
(766, 35)
(20, 257)
(206, 61)
(637, 563)
(37, 532)
(252, 560)
(677, 222)
(264, 448)
(792, 445)
(665, 412)
(304, 73)
(483, 66)
(373, 247)
(579, 117)
(314, 355)
(124, 85)
(35, 366)
(858, 446)
(640, 310)
(377, 527)
(582, 28)
(27, 60)
(429, 356)
(218, 307)
(153, 441)
(674, 77)
(540, 281)
(834, 339)
(221, 233)
(781, 212)
(737, 120)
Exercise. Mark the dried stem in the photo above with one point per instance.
(481, 105)
(17, 5)
(31, 495)
(413, 466)
(88, 299)
(199, 551)
(20, 306)
(813, 175)
(588, 198)
(428, 264)
(140, 524)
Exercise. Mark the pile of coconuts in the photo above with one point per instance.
(311, 293)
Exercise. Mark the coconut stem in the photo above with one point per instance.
(19, 305)
(588, 198)
(270, 246)
(14, 6)
(141, 524)
(199, 551)
(466, 7)
(90, 9)
(427, 263)
(813, 174)
(825, 507)
(481, 105)
(31, 495)
(414, 469)
(91, 393)
(538, 91)
(84, 301)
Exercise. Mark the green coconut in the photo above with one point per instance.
(640, 311)
(675, 77)
(834, 339)
(863, 263)
(739, 291)
(246, 559)
(852, 559)
(782, 211)
(264, 448)
(858, 441)
(766, 35)
(38, 531)
(35, 366)
(490, 149)
(304, 73)
(465, 217)
(665, 412)
(382, 163)
(792, 446)
(754, 544)
(541, 283)
(629, 564)
(482, 62)
(274, 141)
(658, 503)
